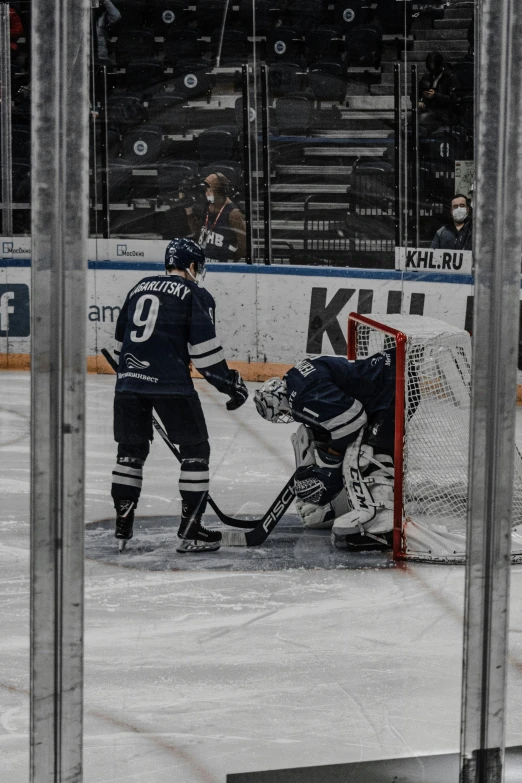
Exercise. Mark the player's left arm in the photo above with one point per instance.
(206, 353)
(121, 328)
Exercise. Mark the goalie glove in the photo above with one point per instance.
(237, 391)
(317, 517)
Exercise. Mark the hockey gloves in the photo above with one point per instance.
(238, 391)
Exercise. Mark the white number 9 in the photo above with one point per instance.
(147, 323)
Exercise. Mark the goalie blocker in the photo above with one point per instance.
(344, 451)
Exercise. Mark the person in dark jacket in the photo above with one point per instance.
(458, 234)
(435, 89)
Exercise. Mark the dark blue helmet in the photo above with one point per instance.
(181, 253)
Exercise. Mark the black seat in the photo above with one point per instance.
(172, 175)
(372, 185)
(363, 46)
(164, 16)
(21, 143)
(328, 81)
(230, 168)
(142, 145)
(443, 145)
(184, 44)
(293, 114)
(323, 43)
(126, 110)
(265, 16)
(350, 13)
(134, 45)
(193, 79)
(393, 15)
(209, 14)
(283, 43)
(287, 77)
(465, 73)
(218, 143)
(132, 14)
(305, 15)
(168, 110)
(21, 182)
(234, 47)
(120, 181)
(144, 74)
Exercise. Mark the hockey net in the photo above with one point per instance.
(432, 418)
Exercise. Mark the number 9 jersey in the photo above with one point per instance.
(165, 323)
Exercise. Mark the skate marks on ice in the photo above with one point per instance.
(290, 546)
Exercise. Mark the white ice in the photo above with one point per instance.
(190, 675)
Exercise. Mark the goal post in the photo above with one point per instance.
(432, 420)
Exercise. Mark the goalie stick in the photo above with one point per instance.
(262, 527)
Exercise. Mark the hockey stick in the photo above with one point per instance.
(262, 527)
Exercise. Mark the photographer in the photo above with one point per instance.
(216, 223)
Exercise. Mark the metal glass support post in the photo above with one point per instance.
(267, 206)
(6, 167)
(247, 160)
(397, 102)
(414, 157)
(497, 249)
(60, 144)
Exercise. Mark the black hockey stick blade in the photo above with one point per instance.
(266, 525)
(244, 524)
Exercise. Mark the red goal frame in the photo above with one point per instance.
(400, 376)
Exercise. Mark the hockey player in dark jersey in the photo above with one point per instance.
(344, 447)
(165, 323)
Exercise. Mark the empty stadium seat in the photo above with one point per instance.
(142, 145)
(393, 16)
(218, 143)
(293, 114)
(328, 81)
(168, 110)
(283, 43)
(193, 79)
(170, 177)
(210, 14)
(363, 46)
(126, 110)
(323, 43)
(144, 74)
(465, 73)
(287, 77)
(350, 13)
(443, 145)
(181, 45)
(265, 16)
(372, 185)
(235, 46)
(134, 45)
(120, 181)
(166, 15)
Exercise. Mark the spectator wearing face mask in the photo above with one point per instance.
(458, 234)
(435, 89)
(221, 230)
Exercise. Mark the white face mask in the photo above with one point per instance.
(459, 214)
(210, 198)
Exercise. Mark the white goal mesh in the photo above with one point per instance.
(436, 433)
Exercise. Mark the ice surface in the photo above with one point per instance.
(195, 673)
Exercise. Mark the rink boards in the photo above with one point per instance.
(267, 316)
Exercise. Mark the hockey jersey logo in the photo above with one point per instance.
(135, 364)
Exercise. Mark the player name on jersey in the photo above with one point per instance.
(410, 259)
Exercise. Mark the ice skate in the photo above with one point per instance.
(194, 537)
(124, 522)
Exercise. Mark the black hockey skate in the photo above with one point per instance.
(194, 537)
(124, 521)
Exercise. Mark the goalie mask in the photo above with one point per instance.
(271, 401)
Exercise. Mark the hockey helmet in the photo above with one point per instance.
(181, 253)
(271, 401)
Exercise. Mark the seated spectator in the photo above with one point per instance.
(435, 88)
(105, 16)
(221, 230)
(458, 234)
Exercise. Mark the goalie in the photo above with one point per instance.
(344, 446)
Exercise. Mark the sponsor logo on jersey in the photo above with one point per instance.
(14, 310)
(305, 368)
(135, 364)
